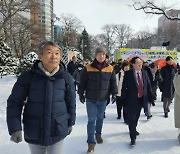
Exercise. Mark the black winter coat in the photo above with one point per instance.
(71, 67)
(97, 84)
(46, 115)
(155, 81)
(167, 87)
(129, 91)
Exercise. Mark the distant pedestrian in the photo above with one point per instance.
(72, 65)
(176, 82)
(155, 79)
(119, 101)
(76, 74)
(167, 86)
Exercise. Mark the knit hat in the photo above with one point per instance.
(100, 50)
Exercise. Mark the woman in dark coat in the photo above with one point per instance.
(155, 79)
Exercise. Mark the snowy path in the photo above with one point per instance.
(157, 136)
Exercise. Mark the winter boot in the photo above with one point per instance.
(166, 114)
(99, 139)
(90, 148)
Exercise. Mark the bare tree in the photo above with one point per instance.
(123, 33)
(142, 40)
(24, 35)
(169, 32)
(94, 44)
(15, 24)
(108, 37)
(149, 7)
(9, 8)
(71, 25)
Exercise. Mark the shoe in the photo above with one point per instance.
(118, 117)
(149, 117)
(90, 148)
(166, 115)
(126, 122)
(104, 116)
(168, 110)
(153, 104)
(99, 139)
(133, 142)
(137, 133)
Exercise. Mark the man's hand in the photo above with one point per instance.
(82, 99)
(113, 99)
(16, 136)
(69, 130)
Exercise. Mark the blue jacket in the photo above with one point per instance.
(46, 115)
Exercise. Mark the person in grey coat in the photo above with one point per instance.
(49, 112)
(176, 82)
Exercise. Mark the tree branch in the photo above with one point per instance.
(150, 8)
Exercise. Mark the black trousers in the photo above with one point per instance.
(133, 119)
(121, 107)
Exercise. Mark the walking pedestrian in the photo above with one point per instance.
(76, 75)
(176, 82)
(167, 86)
(119, 101)
(136, 90)
(155, 79)
(49, 112)
(97, 82)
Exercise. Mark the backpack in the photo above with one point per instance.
(29, 75)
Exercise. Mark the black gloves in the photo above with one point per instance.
(82, 98)
(113, 99)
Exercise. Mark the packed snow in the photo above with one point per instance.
(157, 136)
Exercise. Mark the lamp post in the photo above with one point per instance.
(54, 18)
(82, 44)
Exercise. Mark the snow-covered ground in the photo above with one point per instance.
(157, 136)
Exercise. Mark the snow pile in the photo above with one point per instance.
(157, 136)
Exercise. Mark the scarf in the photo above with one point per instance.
(46, 72)
(99, 65)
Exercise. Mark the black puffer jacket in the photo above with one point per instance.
(97, 84)
(46, 115)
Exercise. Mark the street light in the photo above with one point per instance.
(82, 44)
(54, 18)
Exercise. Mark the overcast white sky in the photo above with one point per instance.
(95, 13)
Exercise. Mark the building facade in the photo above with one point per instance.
(57, 33)
(169, 30)
(41, 13)
(163, 22)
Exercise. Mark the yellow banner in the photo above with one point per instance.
(145, 54)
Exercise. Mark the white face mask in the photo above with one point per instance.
(79, 68)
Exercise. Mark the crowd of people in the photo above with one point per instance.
(49, 105)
